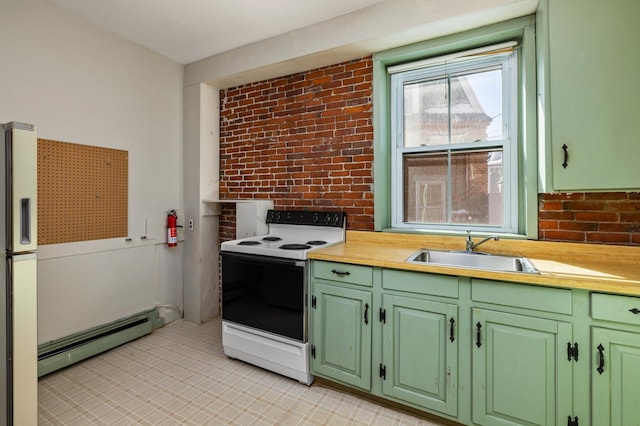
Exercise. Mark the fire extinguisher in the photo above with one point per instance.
(172, 229)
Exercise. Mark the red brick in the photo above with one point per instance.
(608, 237)
(565, 235)
(563, 196)
(597, 217)
(551, 205)
(577, 226)
(585, 205)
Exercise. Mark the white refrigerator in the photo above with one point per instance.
(18, 272)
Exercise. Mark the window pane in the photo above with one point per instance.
(476, 185)
(425, 188)
(470, 193)
(476, 107)
(426, 113)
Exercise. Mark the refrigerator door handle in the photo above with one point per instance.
(25, 221)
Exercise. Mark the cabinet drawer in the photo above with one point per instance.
(544, 299)
(615, 308)
(343, 272)
(418, 282)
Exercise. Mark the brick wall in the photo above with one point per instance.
(605, 218)
(304, 141)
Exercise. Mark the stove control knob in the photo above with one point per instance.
(336, 219)
(315, 218)
(278, 216)
(288, 217)
(327, 218)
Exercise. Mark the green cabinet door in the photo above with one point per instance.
(594, 57)
(520, 374)
(341, 342)
(420, 352)
(615, 387)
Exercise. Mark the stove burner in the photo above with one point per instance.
(271, 239)
(295, 247)
(316, 242)
(249, 243)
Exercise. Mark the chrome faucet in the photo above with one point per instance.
(471, 245)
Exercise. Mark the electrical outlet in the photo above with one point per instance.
(190, 224)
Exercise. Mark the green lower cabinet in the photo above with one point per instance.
(420, 352)
(521, 372)
(615, 387)
(341, 345)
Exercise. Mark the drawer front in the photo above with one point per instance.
(609, 307)
(418, 282)
(538, 298)
(343, 272)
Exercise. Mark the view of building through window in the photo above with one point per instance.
(446, 182)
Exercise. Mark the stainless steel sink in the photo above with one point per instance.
(474, 260)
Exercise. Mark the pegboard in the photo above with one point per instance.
(82, 192)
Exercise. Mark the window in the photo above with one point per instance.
(455, 133)
(454, 156)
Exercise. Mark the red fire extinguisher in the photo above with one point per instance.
(172, 229)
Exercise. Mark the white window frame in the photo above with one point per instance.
(436, 68)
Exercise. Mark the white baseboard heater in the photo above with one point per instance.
(68, 350)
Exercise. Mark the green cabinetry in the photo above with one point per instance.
(615, 371)
(420, 352)
(478, 351)
(341, 323)
(522, 373)
(593, 57)
(515, 380)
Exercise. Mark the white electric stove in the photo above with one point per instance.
(265, 290)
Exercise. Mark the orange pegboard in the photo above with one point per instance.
(82, 192)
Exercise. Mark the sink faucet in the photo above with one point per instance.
(471, 245)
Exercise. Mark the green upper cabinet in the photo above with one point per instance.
(341, 345)
(520, 374)
(593, 92)
(420, 352)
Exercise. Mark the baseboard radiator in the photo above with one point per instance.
(68, 350)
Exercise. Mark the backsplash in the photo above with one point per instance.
(599, 217)
(305, 141)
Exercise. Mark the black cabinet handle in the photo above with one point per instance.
(478, 335)
(600, 358)
(341, 274)
(366, 313)
(635, 311)
(565, 163)
(452, 323)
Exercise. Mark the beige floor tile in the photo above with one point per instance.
(179, 375)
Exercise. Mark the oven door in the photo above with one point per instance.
(265, 293)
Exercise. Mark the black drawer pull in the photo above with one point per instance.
(635, 311)
(366, 314)
(565, 163)
(341, 274)
(600, 358)
(478, 335)
(452, 328)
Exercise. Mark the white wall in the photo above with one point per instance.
(83, 85)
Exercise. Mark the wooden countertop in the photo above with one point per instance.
(605, 268)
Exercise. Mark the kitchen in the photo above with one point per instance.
(101, 90)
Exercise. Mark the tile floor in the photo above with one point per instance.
(179, 375)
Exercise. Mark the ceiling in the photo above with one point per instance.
(189, 30)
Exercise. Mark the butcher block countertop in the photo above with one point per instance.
(603, 268)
